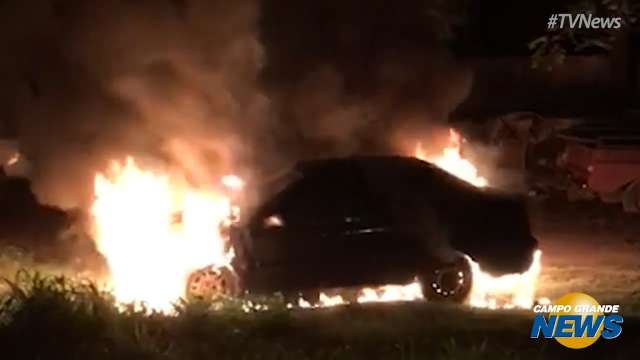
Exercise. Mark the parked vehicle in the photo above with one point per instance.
(604, 162)
(367, 221)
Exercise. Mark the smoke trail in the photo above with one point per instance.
(169, 79)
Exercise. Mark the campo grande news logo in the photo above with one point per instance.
(576, 321)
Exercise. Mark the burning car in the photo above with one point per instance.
(368, 221)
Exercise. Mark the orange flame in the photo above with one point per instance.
(153, 233)
(386, 293)
(13, 159)
(451, 161)
(507, 291)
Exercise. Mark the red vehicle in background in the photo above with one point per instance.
(604, 163)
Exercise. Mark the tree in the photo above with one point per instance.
(552, 48)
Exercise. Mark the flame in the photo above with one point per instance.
(388, 293)
(233, 182)
(451, 161)
(13, 159)
(154, 233)
(507, 291)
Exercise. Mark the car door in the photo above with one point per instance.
(293, 227)
(397, 196)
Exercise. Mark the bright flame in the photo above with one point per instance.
(326, 300)
(233, 182)
(510, 291)
(387, 293)
(507, 291)
(451, 161)
(154, 233)
(13, 159)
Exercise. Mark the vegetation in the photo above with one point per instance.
(43, 317)
(551, 49)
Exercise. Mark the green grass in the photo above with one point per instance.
(49, 317)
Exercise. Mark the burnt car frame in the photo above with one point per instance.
(368, 221)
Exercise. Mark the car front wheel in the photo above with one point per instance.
(212, 282)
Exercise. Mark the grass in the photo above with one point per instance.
(54, 317)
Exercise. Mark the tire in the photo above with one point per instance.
(212, 282)
(448, 283)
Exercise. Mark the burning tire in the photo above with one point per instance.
(448, 283)
(212, 282)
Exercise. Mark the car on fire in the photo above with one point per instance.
(368, 221)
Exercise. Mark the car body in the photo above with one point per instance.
(366, 221)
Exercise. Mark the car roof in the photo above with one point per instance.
(387, 162)
(389, 171)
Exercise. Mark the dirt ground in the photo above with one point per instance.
(588, 247)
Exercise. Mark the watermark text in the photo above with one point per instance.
(582, 21)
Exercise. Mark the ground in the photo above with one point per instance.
(588, 247)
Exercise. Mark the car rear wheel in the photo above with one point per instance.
(448, 283)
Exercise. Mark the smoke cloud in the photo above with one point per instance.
(217, 86)
(91, 81)
(359, 76)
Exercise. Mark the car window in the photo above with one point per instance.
(322, 195)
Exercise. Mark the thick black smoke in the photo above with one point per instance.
(352, 76)
(211, 85)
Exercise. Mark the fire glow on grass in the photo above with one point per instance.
(154, 233)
